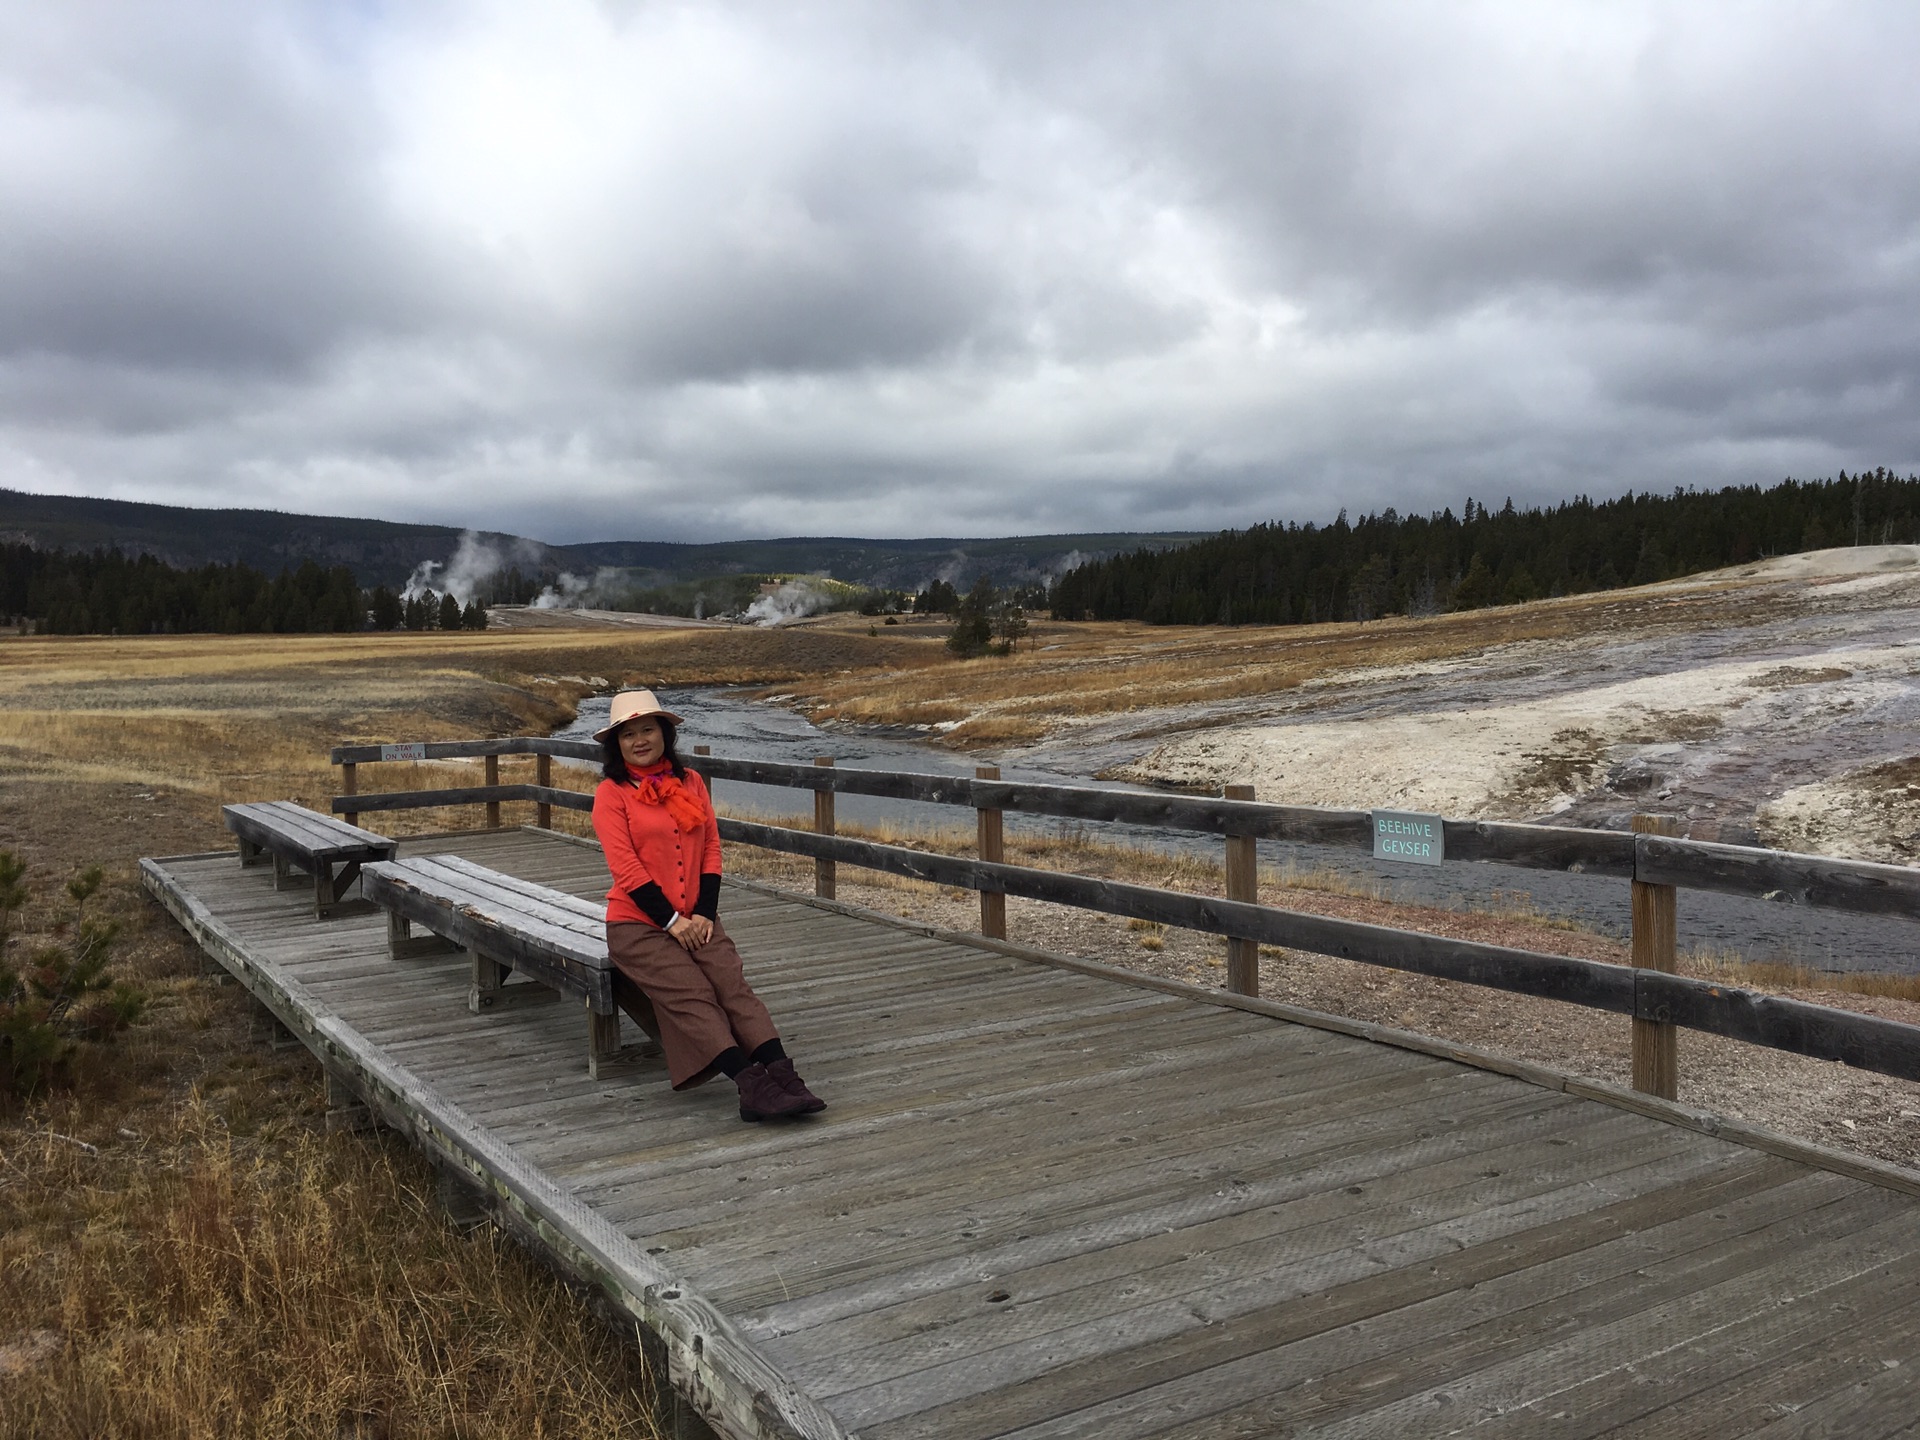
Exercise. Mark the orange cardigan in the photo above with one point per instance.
(642, 843)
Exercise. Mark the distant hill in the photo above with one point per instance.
(383, 552)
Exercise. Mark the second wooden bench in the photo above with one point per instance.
(506, 925)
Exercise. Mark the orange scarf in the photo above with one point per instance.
(659, 787)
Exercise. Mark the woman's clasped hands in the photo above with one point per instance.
(692, 931)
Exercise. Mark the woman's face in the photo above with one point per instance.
(641, 743)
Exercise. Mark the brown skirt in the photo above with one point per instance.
(701, 998)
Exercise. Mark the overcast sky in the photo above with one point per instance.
(703, 271)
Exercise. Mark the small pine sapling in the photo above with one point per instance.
(63, 997)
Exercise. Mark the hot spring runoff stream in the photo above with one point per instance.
(741, 728)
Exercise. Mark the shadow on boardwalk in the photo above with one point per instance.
(1047, 1202)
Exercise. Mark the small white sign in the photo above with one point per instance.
(1409, 835)
(415, 751)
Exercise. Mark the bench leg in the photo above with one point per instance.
(604, 1058)
(323, 888)
(403, 944)
(489, 980)
(249, 852)
(282, 871)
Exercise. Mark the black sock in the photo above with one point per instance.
(768, 1053)
(731, 1061)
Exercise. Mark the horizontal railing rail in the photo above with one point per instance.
(1864, 1041)
(1657, 865)
(1861, 886)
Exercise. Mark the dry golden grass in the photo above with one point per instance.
(250, 717)
(1728, 968)
(183, 1253)
(188, 1283)
(1069, 673)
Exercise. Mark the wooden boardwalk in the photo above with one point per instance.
(1049, 1203)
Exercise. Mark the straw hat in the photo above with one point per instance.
(632, 705)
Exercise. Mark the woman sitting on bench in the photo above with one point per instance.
(656, 824)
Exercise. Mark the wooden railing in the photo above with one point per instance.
(1657, 865)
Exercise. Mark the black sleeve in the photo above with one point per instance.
(708, 904)
(653, 903)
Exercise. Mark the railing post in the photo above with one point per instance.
(543, 777)
(823, 870)
(349, 780)
(493, 778)
(1656, 1059)
(1243, 883)
(992, 845)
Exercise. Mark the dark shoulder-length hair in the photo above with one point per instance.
(614, 766)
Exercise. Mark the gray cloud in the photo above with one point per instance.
(707, 270)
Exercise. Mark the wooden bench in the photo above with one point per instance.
(298, 837)
(505, 924)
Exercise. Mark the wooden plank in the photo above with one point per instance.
(1298, 823)
(1540, 847)
(1856, 885)
(1583, 982)
(453, 875)
(1656, 1057)
(972, 1375)
(1509, 1395)
(653, 1171)
(889, 1156)
(823, 870)
(470, 889)
(1376, 1350)
(990, 845)
(896, 785)
(1865, 1042)
(872, 1122)
(472, 749)
(549, 796)
(1812, 1387)
(861, 1275)
(1470, 1177)
(1882, 1398)
(1140, 1391)
(289, 836)
(324, 832)
(429, 799)
(1243, 884)
(1234, 1290)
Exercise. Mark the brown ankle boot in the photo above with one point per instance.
(789, 1080)
(764, 1098)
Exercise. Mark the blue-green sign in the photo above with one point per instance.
(1409, 835)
